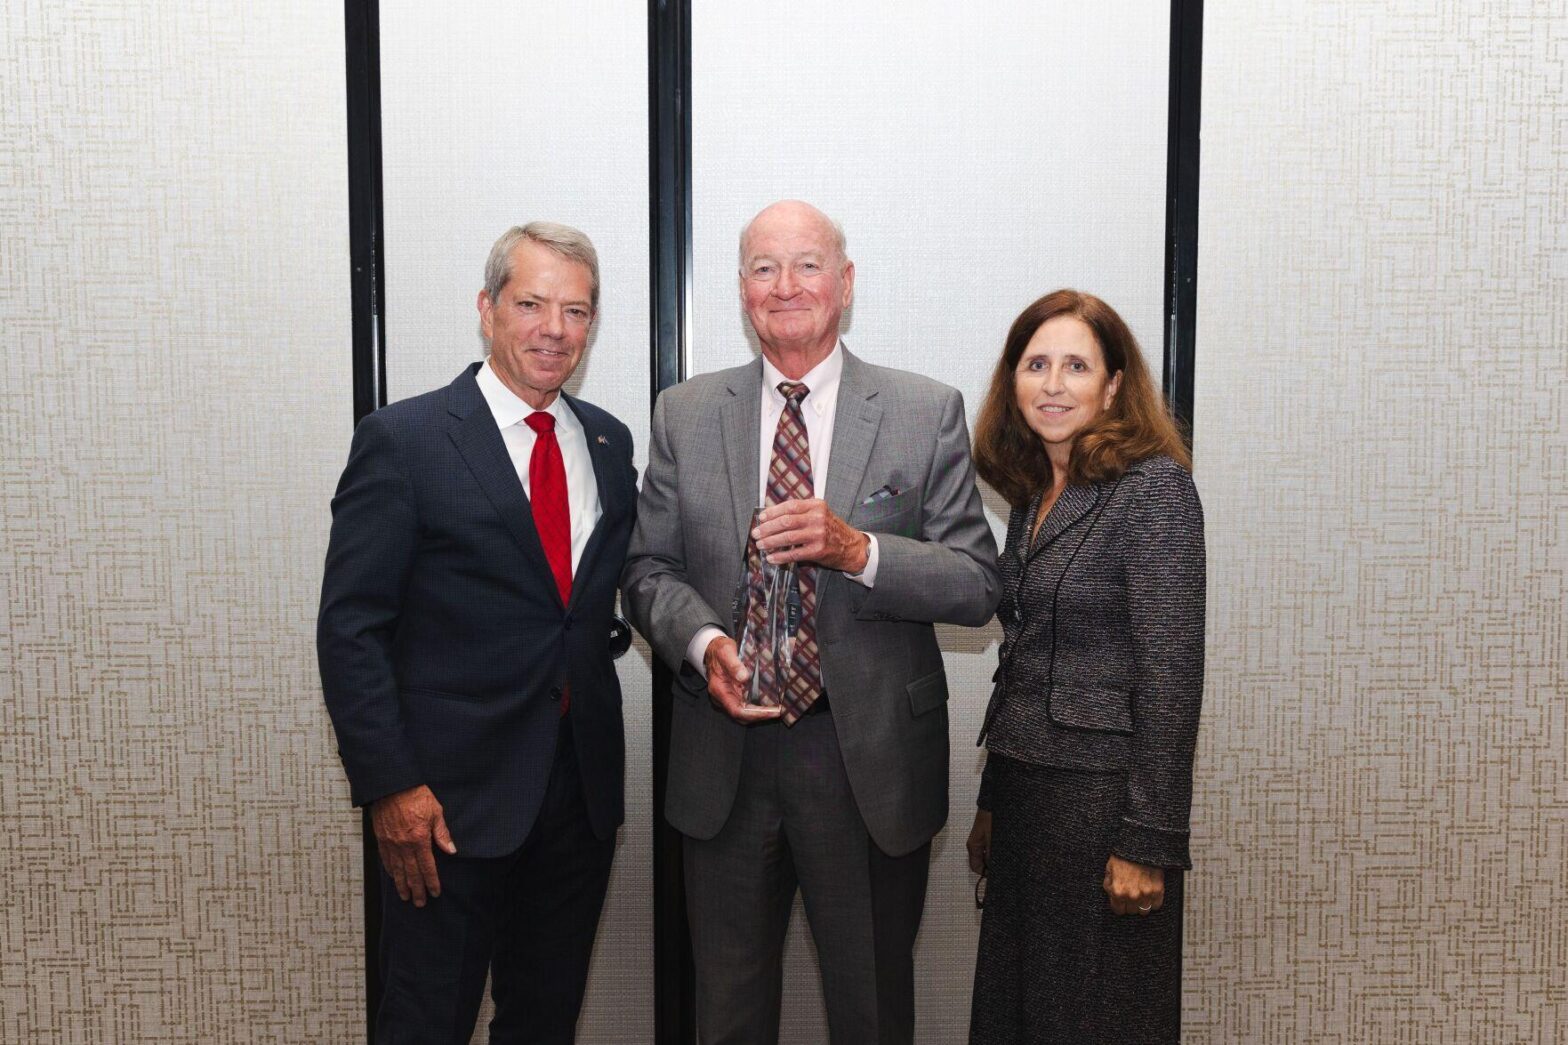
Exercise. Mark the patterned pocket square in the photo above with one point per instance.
(881, 493)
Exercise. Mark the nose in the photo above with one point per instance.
(787, 286)
(553, 324)
(1053, 384)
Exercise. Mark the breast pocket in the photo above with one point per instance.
(898, 515)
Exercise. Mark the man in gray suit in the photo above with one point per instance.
(839, 787)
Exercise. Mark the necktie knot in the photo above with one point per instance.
(793, 391)
(540, 421)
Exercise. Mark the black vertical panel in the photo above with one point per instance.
(361, 23)
(1181, 205)
(669, 198)
(1181, 212)
(669, 145)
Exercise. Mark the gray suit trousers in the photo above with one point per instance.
(795, 816)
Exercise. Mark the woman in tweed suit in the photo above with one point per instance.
(1081, 832)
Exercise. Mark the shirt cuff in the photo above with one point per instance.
(699, 646)
(867, 576)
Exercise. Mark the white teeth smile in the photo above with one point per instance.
(1056, 409)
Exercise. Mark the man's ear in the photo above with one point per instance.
(849, 283)
(486, 313)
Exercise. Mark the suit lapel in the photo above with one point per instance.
(855, 422)
(740, 419)
(479, 442)
(602, 452)
(1073, 504)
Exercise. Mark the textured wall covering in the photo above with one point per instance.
(968, 187)
(1382, 438)
(179, 863)
(1382, 387)
(477, 140)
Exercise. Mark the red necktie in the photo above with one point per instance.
(547, 491)
(552, 518)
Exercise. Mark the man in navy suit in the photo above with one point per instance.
(478, 534)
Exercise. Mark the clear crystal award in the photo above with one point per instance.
(767, 615)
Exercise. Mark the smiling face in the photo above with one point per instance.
(1062, 384)
(538, 324)
(795, 284)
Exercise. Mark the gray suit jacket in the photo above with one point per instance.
(880, 661)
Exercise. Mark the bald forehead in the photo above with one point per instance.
(794, 218)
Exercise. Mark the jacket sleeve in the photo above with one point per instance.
(985, 800)
(948, 574)
(660, 603)
(1164, 572)
(375, 532)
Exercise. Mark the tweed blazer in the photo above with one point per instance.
(1101, 666)
(880, 659)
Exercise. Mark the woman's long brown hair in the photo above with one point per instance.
(1138, 425)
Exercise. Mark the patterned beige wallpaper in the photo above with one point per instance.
(179, 862)
(1382, 435)
(1382, 387)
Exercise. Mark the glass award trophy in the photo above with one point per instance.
(767, 616)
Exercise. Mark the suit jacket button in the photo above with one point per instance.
(555, 692)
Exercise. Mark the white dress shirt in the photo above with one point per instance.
(582, 491)
(818, 410)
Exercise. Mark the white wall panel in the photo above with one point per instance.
(977, 157)
(496, 113)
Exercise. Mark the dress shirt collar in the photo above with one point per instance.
(821, 379)
(508, 409)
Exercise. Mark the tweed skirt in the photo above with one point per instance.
(1056, 964)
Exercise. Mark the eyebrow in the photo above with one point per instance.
(531, 296)
(1042, 353)
(804, 255)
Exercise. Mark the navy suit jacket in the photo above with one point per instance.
(443, 643)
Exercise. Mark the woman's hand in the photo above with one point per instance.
(1133, 888)
(979, 843)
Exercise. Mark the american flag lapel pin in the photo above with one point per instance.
(603, 441)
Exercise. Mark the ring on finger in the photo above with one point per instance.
(1147, 909)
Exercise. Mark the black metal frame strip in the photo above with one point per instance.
(669, 203)
(362, 41)
(1181, 206)
(1181, 214)
(362, 29)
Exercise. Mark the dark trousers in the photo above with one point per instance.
(795, 825)
(527, 919)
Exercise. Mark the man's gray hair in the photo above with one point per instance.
(564, 240)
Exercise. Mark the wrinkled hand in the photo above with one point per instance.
(1134, 887)
(406, 823)
(727, 678)
(979, 843)
(808, 531)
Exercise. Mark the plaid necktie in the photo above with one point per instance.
(789, 478)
